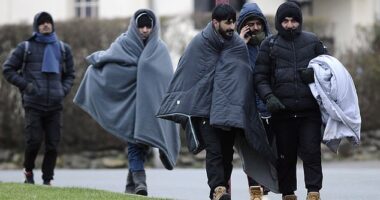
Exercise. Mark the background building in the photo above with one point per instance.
(21, 11)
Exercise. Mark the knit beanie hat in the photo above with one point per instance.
(143, 19)
(44, 17)
(289, 9)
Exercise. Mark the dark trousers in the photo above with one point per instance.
(298, 136)
(41, 125)
(219, 154)
(270, 136)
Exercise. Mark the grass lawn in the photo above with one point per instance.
(20, 191)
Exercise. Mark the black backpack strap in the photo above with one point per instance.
(63, 51)
(272, 41)
(26, 49)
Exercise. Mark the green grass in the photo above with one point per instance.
(20, 191)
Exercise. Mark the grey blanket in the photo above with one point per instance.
(123, 87)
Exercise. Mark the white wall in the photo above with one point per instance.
(174, 7)
(346, 16)
(268, 7)
(126, 8)
(120, 8)
(23, 11)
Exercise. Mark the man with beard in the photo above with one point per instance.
(281, 78)
(43, 69)
(211, 94)
(253, 29)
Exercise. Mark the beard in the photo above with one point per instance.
(257, 38)
(226, 34)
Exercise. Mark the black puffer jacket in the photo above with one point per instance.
(50, 88)
(279, 58)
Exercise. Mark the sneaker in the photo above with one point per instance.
(265, 197)
(28, 177)
(313, 196)
(220, 193)
(289, 197)
(255, 193)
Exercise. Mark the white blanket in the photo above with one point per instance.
(335, 92)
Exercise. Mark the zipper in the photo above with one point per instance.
(48, 89)
(295, 71)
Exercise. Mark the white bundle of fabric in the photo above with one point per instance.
(336, 95)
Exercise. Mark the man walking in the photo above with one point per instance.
(42, 68)
(253, 29)
(281, 78)
(122, 90)
(211, 93)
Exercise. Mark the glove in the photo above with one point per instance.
(307, 75)
(30, 89)
(274, 104)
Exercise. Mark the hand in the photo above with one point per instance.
(30, 89)
(307, 75)
(243, 34)
(274, 104)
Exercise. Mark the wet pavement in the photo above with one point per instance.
(342, 181)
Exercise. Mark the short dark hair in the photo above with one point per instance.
(224, 12)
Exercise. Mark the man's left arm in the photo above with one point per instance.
(320, 49)
(68, 74)
(307, 74)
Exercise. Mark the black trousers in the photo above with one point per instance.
(219, 153)
(41, 125)
(270, 135)
(298, 136)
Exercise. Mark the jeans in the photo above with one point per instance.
(136, 156)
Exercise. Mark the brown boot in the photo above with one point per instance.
(313, 196)
(220, 193)
(289, 197)
(256, 192)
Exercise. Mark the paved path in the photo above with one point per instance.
(342, 181)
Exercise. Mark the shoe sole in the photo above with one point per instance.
(142, 192)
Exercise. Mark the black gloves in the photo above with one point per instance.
(30, 89)
(274, 104)
(307, 75)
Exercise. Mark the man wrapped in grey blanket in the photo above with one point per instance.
(212, 92)
(122, 90)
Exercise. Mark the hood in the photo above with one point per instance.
(37, 16)
(252, 10)
(288, 9)
(133, 30)
(150, 14)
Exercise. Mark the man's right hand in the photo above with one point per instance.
(243, 34)
(30, 89)
(274, 104)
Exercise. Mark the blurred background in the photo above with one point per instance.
(349, 28)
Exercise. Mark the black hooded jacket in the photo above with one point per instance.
(279, 59)
(49, 88)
